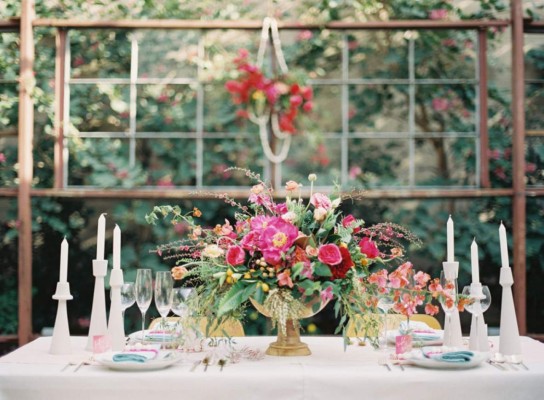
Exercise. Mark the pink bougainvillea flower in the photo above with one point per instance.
(379, 278)
(320, 200)
(355, 171)
(284, 279)
(329, 254)
(440, 13)
(440, 104)
(305, 35)
(235, 255)
(326, 294)
(276, 239)
(368, 248)
(431, 309)
(421, 278)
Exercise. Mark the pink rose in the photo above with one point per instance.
(368, 248)
(348, 221)
(329, 254)
(236, 255)
(291, 186)
(320, 200)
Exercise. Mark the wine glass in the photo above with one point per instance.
(385, 303)
(479, 301)
(163, 296)
(448, 299)
(179, 301)
(127, 296)
(143, 291)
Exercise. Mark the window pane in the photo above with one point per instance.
(445, 108)
(100, 53)
(220, 112)
(9, 110)
(167, 53)
(378, 162)
(534, 168)
(324, 159)
(455, 60)
(168, 162)
(534, 104)
(378, 108)
(222, 154)
(445, 161)
(166, 108)
(9, 56)
(378, 54)
(327, 113)
(102, 107)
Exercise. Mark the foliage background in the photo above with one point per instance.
(164, 163)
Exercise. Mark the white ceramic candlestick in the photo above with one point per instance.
(509, 343)
(453, 336)
(478, 329)
(116, 328)
(98, 325)
(60, 343)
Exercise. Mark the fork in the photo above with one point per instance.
(385, 363)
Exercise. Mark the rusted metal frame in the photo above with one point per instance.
(482, 95)
(25, 160)
(60, 62)
(518, 166)
(253, 25)
(9, 25)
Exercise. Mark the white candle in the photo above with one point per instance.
(116, 247)
(504, 246)
(101, 237)
(474, 262)
(450, 249)
(64, 261)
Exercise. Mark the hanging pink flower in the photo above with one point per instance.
(235, 255)
(368, 248)
(330, 254)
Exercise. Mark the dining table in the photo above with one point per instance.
(332, 372)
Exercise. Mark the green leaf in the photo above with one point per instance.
(321, 269)
(235, 296)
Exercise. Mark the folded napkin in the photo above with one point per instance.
(158, 336)
(452, 356)
(140, 356)
(426, 334)
(420, 330)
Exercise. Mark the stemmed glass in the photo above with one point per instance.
(143, 291)
(163, 296)
(179, 301)
(479, 301)
(448, 299)
(127, 296)
(385, 303)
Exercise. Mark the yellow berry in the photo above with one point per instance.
(342, 244)
(229, 280)
(364, 262)
(229, 272)
(265, 275)
(265, 287)
(247, 275)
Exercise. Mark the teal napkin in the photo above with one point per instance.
(453, 356)
(134, 356)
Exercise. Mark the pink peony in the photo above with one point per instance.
(276, 239)
(330, 254)
(235, 255)
(368, 248)
(320, 200)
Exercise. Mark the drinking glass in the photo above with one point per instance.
(143, 291)
(478, 305)
(448, 299)
(179, 301)
(127, 296)
(385, 303)
(163, 296)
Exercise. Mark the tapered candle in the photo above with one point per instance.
(504, 246)
(101, 237)
(474, 262)
(116, 247)
(63, 261)
(450, 249)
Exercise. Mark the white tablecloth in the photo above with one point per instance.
(329, 373)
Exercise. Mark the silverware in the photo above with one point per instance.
(66, 366)
(386, 364)
(195, 364)
(206, 362)
(497, 365)
(221, 364)
(401, 367)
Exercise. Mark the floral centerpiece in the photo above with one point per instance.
(290, 255)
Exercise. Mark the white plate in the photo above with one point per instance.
(420, 360)
(137, 337)
(163, 360)
(391, 335)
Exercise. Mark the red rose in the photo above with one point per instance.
(368, 247)
(235, 255)
(329, 254)
(348, 221)
(339, 271)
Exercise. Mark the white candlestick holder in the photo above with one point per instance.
(60, 343)
(98, 325)
(116, 325)
(509, 343)
(453, 336)
(478, 329)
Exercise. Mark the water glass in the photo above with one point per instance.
(143, 291)
(385, 303)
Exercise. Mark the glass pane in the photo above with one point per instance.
(378, 54)
(220, 154)
(378, 162)
(534, 63)
(166, 108)
(534, 104)
(102, 162)
(220, 112)
(327, 113)
(8, 159)
(534, 168)
(378, 108)
(456, 59)
(9, 107)
(168, 162)
(100, 53)
(167, 53)
(318, 53)
(101, 107)
(306, 157)
(445, 108)
(445, 161)
(9, 56)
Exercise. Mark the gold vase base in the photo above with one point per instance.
(288, 350)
